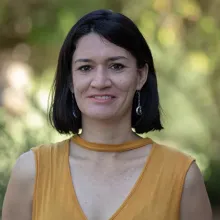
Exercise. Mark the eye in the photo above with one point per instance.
(85, 68)
(117, 66)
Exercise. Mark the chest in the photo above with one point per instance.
(72, 188)
(103, 187)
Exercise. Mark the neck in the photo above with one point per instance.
(107, 132)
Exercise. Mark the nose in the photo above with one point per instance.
(101, 79)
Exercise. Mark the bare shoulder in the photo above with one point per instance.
(195, 202)
(25, 164)
(24, 169)
(18, 198)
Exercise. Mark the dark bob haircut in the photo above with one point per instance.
(121, 31)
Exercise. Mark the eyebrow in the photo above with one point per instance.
(109, 59)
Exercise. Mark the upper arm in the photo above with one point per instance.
(18, 198)
(195, 203)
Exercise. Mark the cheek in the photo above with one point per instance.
(80, 84)
(127, 84)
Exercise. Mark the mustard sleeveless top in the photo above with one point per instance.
(156, 194)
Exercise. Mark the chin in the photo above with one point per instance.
(101, 115)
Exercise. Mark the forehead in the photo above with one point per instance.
(93, 45)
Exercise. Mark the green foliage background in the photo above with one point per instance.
(184, 38)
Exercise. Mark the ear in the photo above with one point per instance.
(70, 83)
(142, 76)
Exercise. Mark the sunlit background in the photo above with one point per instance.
(184, 36)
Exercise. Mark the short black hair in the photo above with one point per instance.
(121, 31)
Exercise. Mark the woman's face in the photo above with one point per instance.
(104, 78)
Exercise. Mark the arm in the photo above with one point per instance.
(18, 198)
(195, 203)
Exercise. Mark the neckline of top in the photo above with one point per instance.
(129, 145)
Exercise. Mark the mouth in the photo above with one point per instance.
(102, 98)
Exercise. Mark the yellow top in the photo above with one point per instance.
(156, 194)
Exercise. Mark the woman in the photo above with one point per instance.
(105, 85)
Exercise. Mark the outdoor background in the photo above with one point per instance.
(184, 36)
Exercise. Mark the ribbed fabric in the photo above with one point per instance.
(155, 196)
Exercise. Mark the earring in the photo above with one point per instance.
(73, 106)
(139, 108)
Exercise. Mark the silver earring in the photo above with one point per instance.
(73, 106)
(139, 108)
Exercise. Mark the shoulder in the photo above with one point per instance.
(172, 163)
(24, 168)
(18, 196)
(172, 156)
(193, 176)
(50, 147)
(195, 202)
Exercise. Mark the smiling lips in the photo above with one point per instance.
(102, 98)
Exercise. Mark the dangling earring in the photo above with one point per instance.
(139, 108)
(73, 106)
